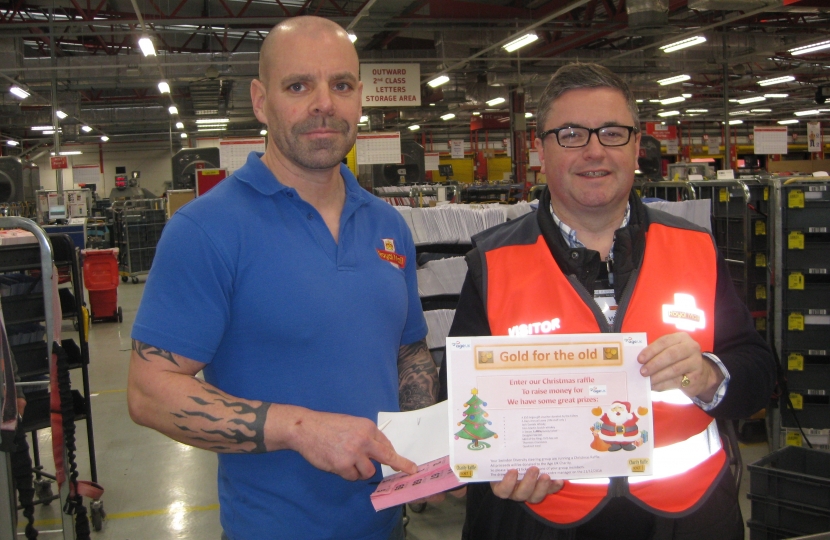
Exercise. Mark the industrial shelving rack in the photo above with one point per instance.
(138, 226)
(35, 305)
(741, 227)
(801, 242)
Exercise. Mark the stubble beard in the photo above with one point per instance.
(315, 154)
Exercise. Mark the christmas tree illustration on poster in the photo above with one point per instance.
(475, 423)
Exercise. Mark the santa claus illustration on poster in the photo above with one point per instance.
(617, 428)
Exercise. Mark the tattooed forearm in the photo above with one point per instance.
(235, 426)
(148, 353)
(418, 377)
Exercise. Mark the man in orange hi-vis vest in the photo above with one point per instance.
(594, 259)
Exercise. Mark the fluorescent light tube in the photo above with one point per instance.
(352, 37)
(785, 122)
(682, 44)
(448, 116)
(807, 113)
(516, 44)
(12, 143)
(61, 114)
(173, 110)
(414, 127)
(669, 101)
(496, 101)
(697, 110)
(104, 138)
(777, 80)
(438, 81)
(147, 47)
(19, 92)
(776, 96)
(164, 88)
(668, 113)
(735, 122)
(806, 49)
(179, 125)
(754, 99)
(86, 129)
(672, 80)
(183, 135)
(221, 120)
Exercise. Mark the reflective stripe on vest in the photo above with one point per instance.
(525, 285)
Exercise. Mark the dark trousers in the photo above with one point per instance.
(491, 518)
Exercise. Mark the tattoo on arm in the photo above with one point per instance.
(240, 430)
(418, 377)
(148, 353)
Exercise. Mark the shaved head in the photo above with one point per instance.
(298, 27)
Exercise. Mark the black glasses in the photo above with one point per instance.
(577, 137)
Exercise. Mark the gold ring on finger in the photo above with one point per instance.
(685, 381)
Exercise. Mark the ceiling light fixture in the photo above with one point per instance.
(438, 81)
(682, 44)
(806, 49)
(761, 110)
(212, 128)
(448, 116)
(42, 128)
(68, 153)
(164, 88)
(414, 127)
(668, 113)
(213, 121)
(476, 113)
(516, 44)
(179, 125)
(352, 37)
(697, 110)
(183, 135)
(86, 129)
(735, 122)
(173, 110)
(19, 92)
(147, 47)
(777, 80)
(496, 101)
(807, 113)
(754, 99)
(363, 119)
(263, 132)
(669, 101)
(736, 113)
(61, 114)
(104, 138)
(12, 143)
(785, 122)
(776, 96)
(672, 80)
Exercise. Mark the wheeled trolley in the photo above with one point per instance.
(138, 226)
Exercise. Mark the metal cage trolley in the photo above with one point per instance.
(138, 226)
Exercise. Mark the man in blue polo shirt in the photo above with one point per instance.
(294, 290)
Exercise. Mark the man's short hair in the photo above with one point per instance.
(575, 76)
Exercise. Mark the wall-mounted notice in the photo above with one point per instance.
(377, 148)
(714, 144)
(431, 161)
(456, 148)
(391, 85)
(86, 174)
(672, 148)
(770, 140)
(813, 136)
(233, 153)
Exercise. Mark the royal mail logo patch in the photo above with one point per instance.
(388, 254)
(684, 313)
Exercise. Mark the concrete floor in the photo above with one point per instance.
(158, 489)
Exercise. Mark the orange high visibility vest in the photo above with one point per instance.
(527, 293)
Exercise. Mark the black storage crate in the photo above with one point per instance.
(794, 475)
(805, 205)
(800, 518)
(760, 531)
(814, 412)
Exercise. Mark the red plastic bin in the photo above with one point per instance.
(101, 282)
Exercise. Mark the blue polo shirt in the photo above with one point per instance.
(248, 280)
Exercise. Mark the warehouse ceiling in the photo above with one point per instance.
(84, 56)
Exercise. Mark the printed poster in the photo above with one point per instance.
(573, 405)
(814, 137)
